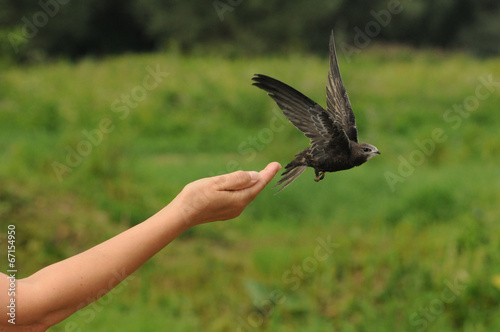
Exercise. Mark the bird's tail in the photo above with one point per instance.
(292, 172)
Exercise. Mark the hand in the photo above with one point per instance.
(222, 197)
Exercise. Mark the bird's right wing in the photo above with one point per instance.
(305, 114)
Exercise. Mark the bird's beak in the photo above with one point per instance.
(378, 152)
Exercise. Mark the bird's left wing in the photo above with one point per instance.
(305, 114)
(337, 101)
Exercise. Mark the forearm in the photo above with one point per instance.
(69, 285)
(57, 291)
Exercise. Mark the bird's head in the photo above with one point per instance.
(368, 150)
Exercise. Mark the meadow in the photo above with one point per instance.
(407, 242)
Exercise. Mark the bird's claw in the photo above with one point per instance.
(320, 176)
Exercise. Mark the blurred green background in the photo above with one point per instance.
(107, 109)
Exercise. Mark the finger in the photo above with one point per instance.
(266, 175)
(236, 181)
(269, 172)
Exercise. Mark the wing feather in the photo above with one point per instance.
(305, 114)
(337, 101)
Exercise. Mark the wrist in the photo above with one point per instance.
(184, 212)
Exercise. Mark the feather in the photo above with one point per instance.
(289, 176)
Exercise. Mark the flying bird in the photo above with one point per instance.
(333, 133)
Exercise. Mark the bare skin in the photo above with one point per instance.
(57, 291)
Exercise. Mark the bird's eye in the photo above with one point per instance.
(366, 149)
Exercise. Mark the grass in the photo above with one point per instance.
(397, 248)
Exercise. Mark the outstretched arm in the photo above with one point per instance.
(57, 291)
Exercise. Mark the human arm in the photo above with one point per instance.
(57, 291)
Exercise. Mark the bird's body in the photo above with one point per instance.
(333, 132)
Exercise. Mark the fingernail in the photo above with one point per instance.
(254, 176)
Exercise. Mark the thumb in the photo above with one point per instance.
(237, 180)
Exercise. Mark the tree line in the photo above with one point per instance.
(73, 29)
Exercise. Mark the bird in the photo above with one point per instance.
(332, 132)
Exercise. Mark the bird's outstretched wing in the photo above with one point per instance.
(305, 114)
(337, 101)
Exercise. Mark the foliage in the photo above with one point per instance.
(75, 29)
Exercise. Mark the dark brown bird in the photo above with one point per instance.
(333, 133)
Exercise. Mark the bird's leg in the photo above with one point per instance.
(320, 175)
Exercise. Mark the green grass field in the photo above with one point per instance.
(407, 242)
